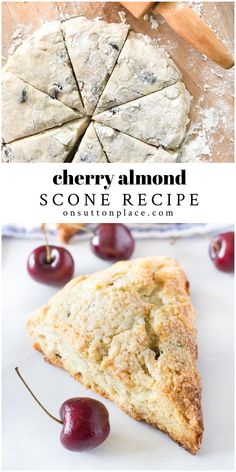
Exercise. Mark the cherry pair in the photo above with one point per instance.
(54, 265)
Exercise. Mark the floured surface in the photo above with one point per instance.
(210, 86)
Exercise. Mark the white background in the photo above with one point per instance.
(215, 184)
(31, 439)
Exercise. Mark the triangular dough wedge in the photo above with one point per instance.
(49, 146)
(42, 61)
(120, 147)
(90, 149)
(159, 118)
(33, 111)
(93, 46)
(142, 68)
(127, 333)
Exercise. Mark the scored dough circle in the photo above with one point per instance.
(121, 99)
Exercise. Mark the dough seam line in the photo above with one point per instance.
(45, 130)
(71, 154)
(100, 143)
(72, 68)
(78, 88)
(134, 99)
(110, 74)
(83, 115)
(92, 118)
(140, 140)
(70, 157)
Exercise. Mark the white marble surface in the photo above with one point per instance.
(31, 439)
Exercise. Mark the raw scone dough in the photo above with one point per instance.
(93, 47)
(90, 149)
(28, 111)
(159, 118)
(49, 146)
(42, 61)
(142, 68)
(68, 69)
(120, 147)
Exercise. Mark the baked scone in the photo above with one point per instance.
(127, 333)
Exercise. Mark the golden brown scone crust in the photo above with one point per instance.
(128, 334)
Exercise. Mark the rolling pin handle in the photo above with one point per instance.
(182, 19)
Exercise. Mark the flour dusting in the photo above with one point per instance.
(197, 143)
(19, 36)
(122, 15)
(212, 125)
(154, 23)
(197, 7)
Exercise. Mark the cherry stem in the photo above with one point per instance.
(48, 251)
(40, 404)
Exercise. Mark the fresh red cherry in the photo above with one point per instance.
(85, 424)
(51, 265)
(85, 421)
(222, 251)
(112, 242)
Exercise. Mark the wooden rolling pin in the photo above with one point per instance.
(182, 19)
